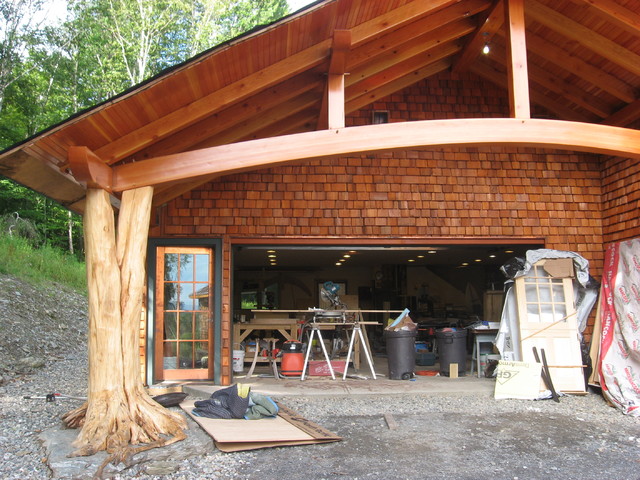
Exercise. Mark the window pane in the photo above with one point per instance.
(170, 296)
(187, 296)
(558, 293)
(170, 360)
(545, 293)
(202, 268)
(186, 326)
(186, 355)
(170, 267)
(202, 354)
(202, 297)
(170, 326)
(186, 267)
(547, 313)
(533, 312)
(202, 326)
(531, 292)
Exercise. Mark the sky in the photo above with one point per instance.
(298, 4)
(57, 8)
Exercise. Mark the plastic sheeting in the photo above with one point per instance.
(619, 366)
(585, 294)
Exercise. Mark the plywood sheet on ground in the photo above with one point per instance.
(288, 428)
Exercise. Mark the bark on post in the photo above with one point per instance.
(118, 412)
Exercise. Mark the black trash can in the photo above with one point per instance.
(452, 348)
(401, 353)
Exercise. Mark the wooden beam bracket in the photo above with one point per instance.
(89, 169)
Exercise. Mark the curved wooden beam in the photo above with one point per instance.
(262, 153)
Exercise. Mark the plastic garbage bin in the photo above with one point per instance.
(452, 348)
(401, 353)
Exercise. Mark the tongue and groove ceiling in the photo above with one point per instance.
(582, 57)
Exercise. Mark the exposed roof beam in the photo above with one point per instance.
(398, 84)
(624, 116)
(618, 14)
(417, 45)
(399, 76)
(499, 78)
(516, 59)
(266, 152)
(278, 114)
(574, 65)
(604, 47)
(487, 29)
(396, 18)
(427, 28)
(189, 114)
(236, 114)
(569, 91)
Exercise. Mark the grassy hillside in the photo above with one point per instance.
(41, 266)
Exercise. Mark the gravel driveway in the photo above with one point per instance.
(436, 436)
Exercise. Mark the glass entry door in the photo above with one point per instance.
(184, 313)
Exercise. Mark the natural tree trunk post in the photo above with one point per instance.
(118, 412)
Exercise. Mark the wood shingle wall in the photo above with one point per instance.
(573, 201)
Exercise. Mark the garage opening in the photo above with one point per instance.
(443, 285)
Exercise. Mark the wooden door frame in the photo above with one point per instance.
(216, 312)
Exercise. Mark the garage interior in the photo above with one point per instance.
(443, 285)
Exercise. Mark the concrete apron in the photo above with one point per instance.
(263, 382)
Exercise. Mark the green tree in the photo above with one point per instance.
(49, 72)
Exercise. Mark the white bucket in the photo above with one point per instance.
(238, 360)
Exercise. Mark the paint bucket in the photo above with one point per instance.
(238, 361)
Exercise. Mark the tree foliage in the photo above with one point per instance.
(49, 72)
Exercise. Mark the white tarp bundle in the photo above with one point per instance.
(619, 367)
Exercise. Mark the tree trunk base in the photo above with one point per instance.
(138, 421)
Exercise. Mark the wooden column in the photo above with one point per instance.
(519, 106)
(118, 412)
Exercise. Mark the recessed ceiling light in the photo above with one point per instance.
(465, 264)
(508, 251)
(338, 264)
(411, 260)
(346, 255)
(271, 251)
(272, 256)
(432, 251)
(478, 260)
(420, 256)
(492, 256)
